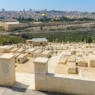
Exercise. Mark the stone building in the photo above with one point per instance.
(9, 24)
(38, 41)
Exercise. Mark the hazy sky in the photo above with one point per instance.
(65, 5)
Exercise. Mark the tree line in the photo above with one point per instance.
(88, 36)
(47, 19)
(6, 40)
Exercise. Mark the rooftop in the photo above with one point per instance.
(9, 20)
(39, 40)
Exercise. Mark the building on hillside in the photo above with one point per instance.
(38, 41)
(9, 24)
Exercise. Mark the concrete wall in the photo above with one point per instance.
(62, 83)
(70, 85)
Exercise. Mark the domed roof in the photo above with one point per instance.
(43, 14)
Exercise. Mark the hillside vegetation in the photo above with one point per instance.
(4, 40)
(88, 36)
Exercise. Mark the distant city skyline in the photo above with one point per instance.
(63, 5)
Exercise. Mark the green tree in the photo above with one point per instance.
(89, 40)
(83, 39)
(41, 28)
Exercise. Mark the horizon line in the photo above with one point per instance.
(44, 10)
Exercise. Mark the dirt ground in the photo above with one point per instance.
(27, 67)
(85, 72)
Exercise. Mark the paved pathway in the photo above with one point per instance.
(19, 91)
(25, 80)
(25, 85)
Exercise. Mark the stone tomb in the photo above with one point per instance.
(72, 69)
(7, 70)
(41, 69)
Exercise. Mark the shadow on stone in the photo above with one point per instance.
(54, 93)
(50, 93)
